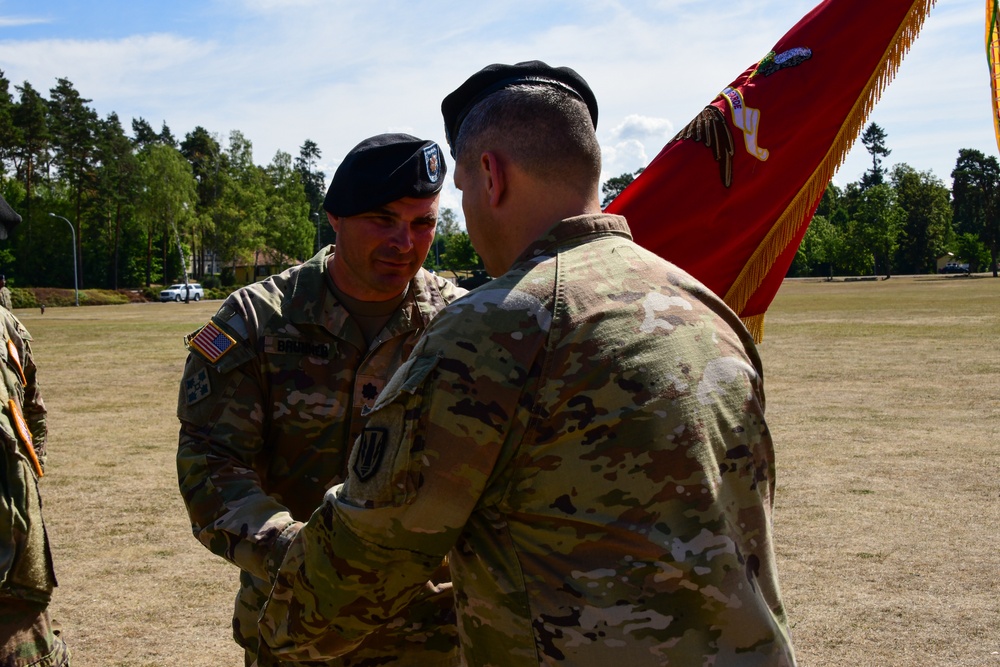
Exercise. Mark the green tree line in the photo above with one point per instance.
(142, 207)
(901, 220)
(148, 208)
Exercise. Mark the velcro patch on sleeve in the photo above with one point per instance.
(212, 342)
(197, 387)
(369, 451)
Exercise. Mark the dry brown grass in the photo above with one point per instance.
(136, 589)
(884, 399)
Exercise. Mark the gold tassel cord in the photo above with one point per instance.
(795, 215)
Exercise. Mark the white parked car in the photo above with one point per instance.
(177, 292)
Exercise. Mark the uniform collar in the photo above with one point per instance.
(312, 302)
(572, 229)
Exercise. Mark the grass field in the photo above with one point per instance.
(884, 401)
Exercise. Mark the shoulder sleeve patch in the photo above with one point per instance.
(196, 387)
(212, 342)
(386, 470)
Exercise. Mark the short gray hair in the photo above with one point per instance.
(547, 131)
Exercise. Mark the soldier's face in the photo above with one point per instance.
(379, 251)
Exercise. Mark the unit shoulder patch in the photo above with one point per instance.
(197, 387)
(370, 450)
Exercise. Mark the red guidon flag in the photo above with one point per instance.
(730, 197)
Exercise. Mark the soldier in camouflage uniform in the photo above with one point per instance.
(5, 299)
(585, 434)
(274, 385)
(27, 635)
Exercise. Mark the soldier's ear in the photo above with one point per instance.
(495, 175)
(334, 221)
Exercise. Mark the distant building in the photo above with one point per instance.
(944, 260)
(266, 263)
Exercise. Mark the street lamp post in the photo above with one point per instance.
(72, 231)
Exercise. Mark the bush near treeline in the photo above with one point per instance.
(52, 297)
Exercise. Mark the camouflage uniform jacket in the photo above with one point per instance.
(5, 299)
(586, 436)
(267, 427)
(25, 559)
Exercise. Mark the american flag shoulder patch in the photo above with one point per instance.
(212, 342)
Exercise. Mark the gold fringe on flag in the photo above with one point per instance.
(755, 325)
(791, 220)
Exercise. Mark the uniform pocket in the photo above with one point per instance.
(387, 457)
(26, 562)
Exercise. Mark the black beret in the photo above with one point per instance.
(8, 219)
(493, 78)
(381, 170)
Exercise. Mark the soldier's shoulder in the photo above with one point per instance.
(226, 339)
(222, 342)
(13, 325)
(260, 302)
(434, 291)
(246, 317)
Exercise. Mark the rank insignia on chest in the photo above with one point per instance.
(370, 450)
(212, 342)
(197, 387)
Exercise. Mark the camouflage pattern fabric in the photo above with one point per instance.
(586, 436)
(267, 427)
(5, 299)
(27, 577)
(29, 638)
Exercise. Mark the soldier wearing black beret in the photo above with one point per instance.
(272, 395)
(382, 169)
(584, 435)
(494, 78)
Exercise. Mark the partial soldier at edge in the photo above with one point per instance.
(5, 299)
(27, 577)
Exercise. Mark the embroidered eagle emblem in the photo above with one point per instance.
(709, 128)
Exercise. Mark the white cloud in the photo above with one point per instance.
(625, 156)
(18, 21)
(130, 68)
(643, 128)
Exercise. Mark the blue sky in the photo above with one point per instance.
(282, 71)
